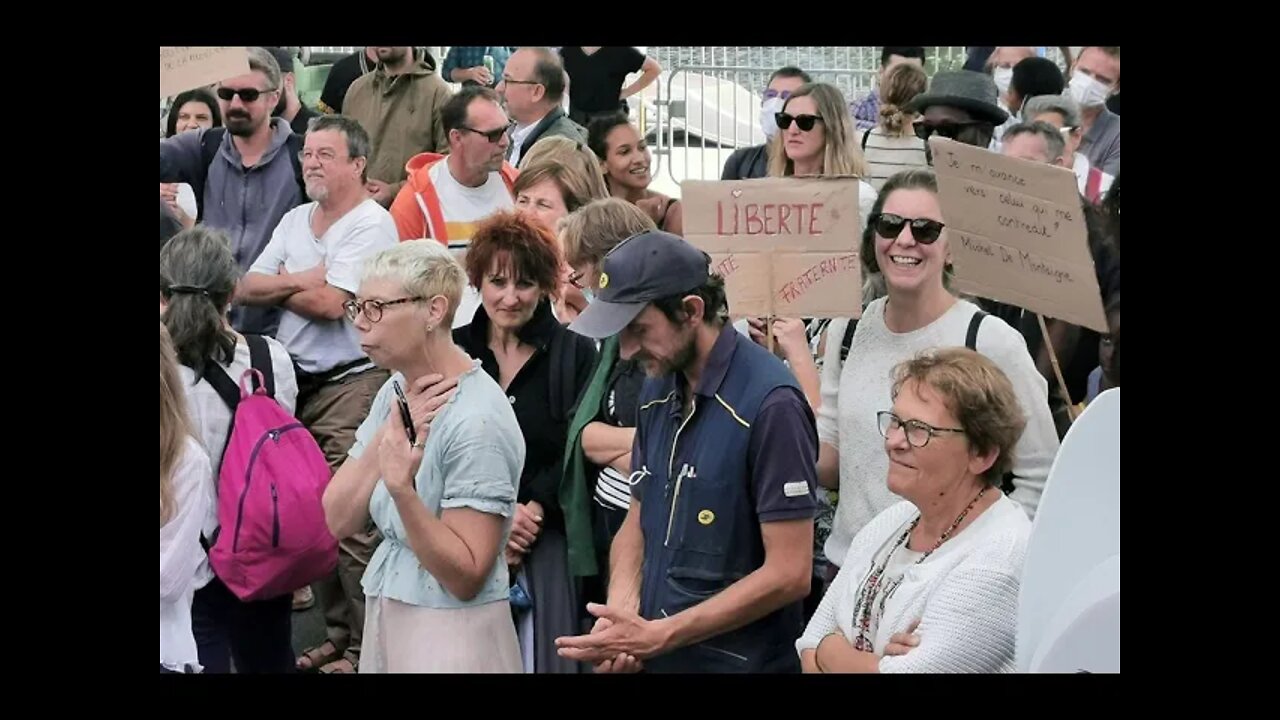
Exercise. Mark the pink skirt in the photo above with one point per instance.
(403, 638)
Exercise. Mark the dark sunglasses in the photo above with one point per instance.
(948, 130)
(889, 227)
(492, 136)
(804, 122)
(246, 94)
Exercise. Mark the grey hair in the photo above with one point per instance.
(358, 143)
(1053, 140)
(198, 275)
(424, 268)
(261, 60)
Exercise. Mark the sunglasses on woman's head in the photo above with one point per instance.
(804, 122)
(246, 94)
(889, 227)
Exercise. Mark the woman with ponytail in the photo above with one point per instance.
(198, 274)
(891, 146)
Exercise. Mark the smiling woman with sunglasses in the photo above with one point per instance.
(947, 558)
(441, 489)
(907, 239)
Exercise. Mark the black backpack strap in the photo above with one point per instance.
(210, 141)
(294, 147)
(260, 360)
(865, 135)
(223, 384)
(971, 340)
(846, 342)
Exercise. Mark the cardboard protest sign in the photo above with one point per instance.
(1017, 233)
(786, 247)
(186, 68)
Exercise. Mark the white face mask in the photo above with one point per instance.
(1004, 78)
(1087, 91)
(768, 123)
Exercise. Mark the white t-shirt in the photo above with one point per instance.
(181, 556)
(211, 420)
(321, 345)
(463, 208)
(854, 393)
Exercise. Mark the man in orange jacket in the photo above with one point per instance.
(446, 200)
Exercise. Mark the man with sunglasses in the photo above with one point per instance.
(532, 86)
(246, 176)
(311, 268)
(753, 162)
(446, 200)
(399, 105)
(959, 105)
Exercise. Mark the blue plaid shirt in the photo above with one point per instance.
(462, 58)
(866, 112)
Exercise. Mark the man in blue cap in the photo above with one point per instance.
(709, 569)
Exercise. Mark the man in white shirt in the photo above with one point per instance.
(446, 196)
(311, 267)
(1063, 112)
(532, 86)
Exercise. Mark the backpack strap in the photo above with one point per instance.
(865, 134)
(971, 339)
(223, 384)
(210, 141)
(260, 360)
(846, 342)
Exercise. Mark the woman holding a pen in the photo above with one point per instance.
(436, 465)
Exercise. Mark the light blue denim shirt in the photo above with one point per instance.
(472, 459)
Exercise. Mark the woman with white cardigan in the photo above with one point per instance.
(907, 243)
(931, 584)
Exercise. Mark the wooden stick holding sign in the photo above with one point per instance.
(1057, 369)
(786, 247)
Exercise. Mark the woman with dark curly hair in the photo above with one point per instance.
(515, 263)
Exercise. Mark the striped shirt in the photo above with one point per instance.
(887, 155)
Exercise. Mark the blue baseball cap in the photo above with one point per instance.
(643, 268)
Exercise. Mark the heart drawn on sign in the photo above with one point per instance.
(736, 193)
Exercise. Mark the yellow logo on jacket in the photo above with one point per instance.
(706, 517)
(604, 280)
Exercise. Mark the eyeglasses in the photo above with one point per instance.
(923, 230)
(948, 130)
(372, 309)
(918, 432)
(493, 136)
(324, 156)
(804, 122)
(246, 94)
(770, 94)
(576, 280)
(513, 81)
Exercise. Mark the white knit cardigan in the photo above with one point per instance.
(965, 594)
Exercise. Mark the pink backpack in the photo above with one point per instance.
(272, 538)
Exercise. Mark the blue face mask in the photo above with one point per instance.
(589, 295)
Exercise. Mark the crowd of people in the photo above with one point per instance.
(547, 443)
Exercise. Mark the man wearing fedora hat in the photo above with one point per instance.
(959, 105)
(715, 555)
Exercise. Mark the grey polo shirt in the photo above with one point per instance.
(1102, 143)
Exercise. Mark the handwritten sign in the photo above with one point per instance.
(785, 246)
(186, 68)
(1017, 233)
